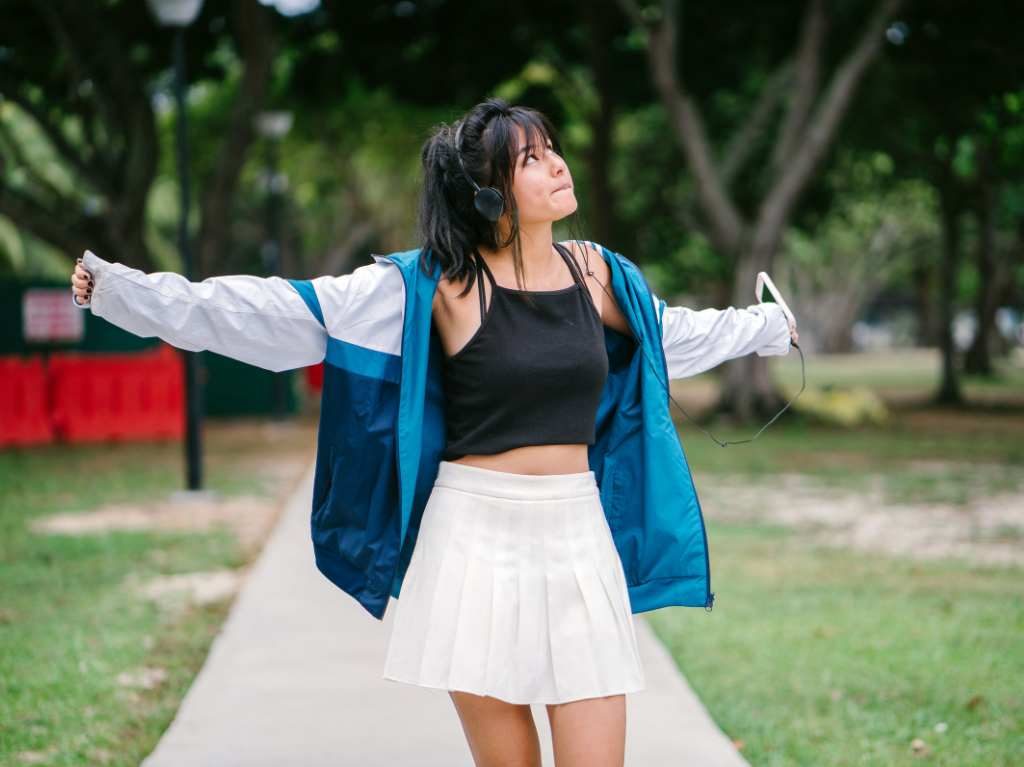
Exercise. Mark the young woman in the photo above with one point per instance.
(508, 464)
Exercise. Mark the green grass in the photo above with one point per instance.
(69, 623)
(919, 460)
(912, 372)
(826, 657)
(979, 445)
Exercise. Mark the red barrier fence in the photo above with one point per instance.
(117, 397)
(87, 397)
(78, 397)
(24, 402)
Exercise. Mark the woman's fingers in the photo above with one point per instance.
(82, 283)
(82, 280)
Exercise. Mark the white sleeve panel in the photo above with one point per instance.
(262, 321)
(696, 341)
(365, 307)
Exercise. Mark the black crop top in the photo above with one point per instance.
(528, 376)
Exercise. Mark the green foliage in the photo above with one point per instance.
(877, 225)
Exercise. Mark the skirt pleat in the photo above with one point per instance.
(515, 590)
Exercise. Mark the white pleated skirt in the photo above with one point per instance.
(515, 590)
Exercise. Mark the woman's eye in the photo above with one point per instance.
(534, 154)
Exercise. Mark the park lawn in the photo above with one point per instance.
(921, 456)
(69, 626)
(827, 656)
(906, 373)
(830, 657)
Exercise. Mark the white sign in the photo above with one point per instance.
(48, 316)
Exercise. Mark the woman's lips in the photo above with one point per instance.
(563, 188)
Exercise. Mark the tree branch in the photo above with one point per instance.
(725, 222)
(33, 216)
(14, 148)
(808, 74)
(255, 42)
(743, 142)
(815, 139)
(73, 156)
(56, 21)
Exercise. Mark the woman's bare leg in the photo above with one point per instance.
(590, 732)
(500, 734)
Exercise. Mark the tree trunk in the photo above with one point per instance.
(747, 391)
(813, 116)
(949, 392)
(922, 275)
(110, 152)
(978, 360)
(255, 42)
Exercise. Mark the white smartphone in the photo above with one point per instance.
(765, 291)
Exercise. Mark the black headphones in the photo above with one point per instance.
(488, 201)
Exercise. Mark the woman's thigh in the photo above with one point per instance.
(589, 732)
(500, 734)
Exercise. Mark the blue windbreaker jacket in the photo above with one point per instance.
(382, 426)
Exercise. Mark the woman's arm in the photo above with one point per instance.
(695, 341)
(263, 321)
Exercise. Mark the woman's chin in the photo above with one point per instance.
(568, 208)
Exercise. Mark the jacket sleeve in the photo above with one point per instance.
(263, 321)
(697, 340)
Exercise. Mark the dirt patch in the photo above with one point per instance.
(249, 517)
(145, 678)
(988, 530)
(273, 455)
(37, 757)
(176, 592)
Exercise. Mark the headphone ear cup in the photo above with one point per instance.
(489, 203)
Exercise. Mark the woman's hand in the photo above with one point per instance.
(81, 284)
(792, 332)
(262, 321)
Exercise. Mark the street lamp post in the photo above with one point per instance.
(274, 126)
(178, 14)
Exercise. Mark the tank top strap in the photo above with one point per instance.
(577, 275)
(574, 270)
(481, 269)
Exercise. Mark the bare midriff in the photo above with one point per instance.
(534, 459)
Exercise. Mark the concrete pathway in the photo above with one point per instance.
(293, 679)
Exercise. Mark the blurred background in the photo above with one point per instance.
(866, 548)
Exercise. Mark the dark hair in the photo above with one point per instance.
(450, 227)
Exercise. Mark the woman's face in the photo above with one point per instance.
(541, 184)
